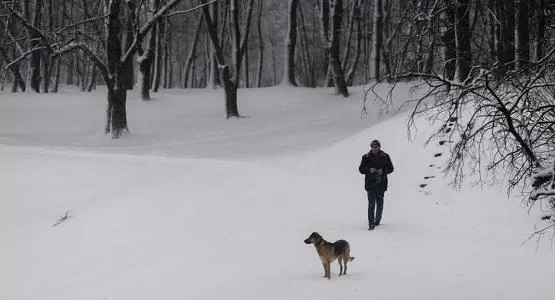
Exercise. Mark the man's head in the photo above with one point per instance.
(375, 146)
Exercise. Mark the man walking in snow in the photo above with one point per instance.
(375, 165)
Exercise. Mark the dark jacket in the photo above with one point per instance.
(373, 181)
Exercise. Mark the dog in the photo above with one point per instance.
(329, 252)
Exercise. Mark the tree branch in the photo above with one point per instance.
(190, 9)
(139, 36)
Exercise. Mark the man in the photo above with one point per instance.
(375, 165)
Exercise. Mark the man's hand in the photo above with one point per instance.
(373, 170)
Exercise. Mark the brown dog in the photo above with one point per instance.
(329, 252)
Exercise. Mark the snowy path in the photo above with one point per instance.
(181, 226)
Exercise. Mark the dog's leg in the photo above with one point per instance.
(325, 269)
(345, 260)
(340, 261)
(328, 271)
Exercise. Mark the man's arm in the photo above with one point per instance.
(363, 169)
(389, 166)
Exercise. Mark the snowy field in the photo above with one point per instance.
(193, 206)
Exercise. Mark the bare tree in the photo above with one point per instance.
(158, 54)
(290, 43)
(18, 81)
(214, 73)
(34, 65)
(463, 38)
(260, 45)
(192, 53)
(542, 22)
(230, 75)
(522, 33)
(145, 58)
(332, 41)
(337, 69)
(110, 67)
(377, 36)
(355, 21)
(449, 41)
(501, 119)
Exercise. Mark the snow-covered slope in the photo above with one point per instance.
(193, 206)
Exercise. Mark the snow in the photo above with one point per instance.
(194, 206)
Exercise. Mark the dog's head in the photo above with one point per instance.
(314, 238)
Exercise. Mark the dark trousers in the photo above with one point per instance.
(375, 203)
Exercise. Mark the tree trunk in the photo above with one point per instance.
(116, 119)
(92, 81)
(274, 64)
(260, 46)
(70, 65)
(194, 81)
(387, 49)
(449, 43)
(542, 22)
(236, 57)
(214, 73)
(230, 87)
(165, 55)
(238, 51)
(5, 76)
(290, 43)
(146, 58)
(464, 36)
(34, 68)
(18, 80)
(246, 69)
(377, 42)
(80, 69)
(492, 33)
(351, 28)
(158, 56)
(192, 53)
(508, 33)
(310, 80)
(429, 65)
(57, 67)
(47, 63)
(116, 114)
(367, 49)
(45, 58)
(357, 14)
(325, 32)
(304, 77)
(128, 70)
(522, 36)
(338, 75)
(230, 94)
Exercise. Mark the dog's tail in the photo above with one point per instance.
(351, 258)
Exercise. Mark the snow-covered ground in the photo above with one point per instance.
(193, 206)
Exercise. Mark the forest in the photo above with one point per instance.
(488, 65)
